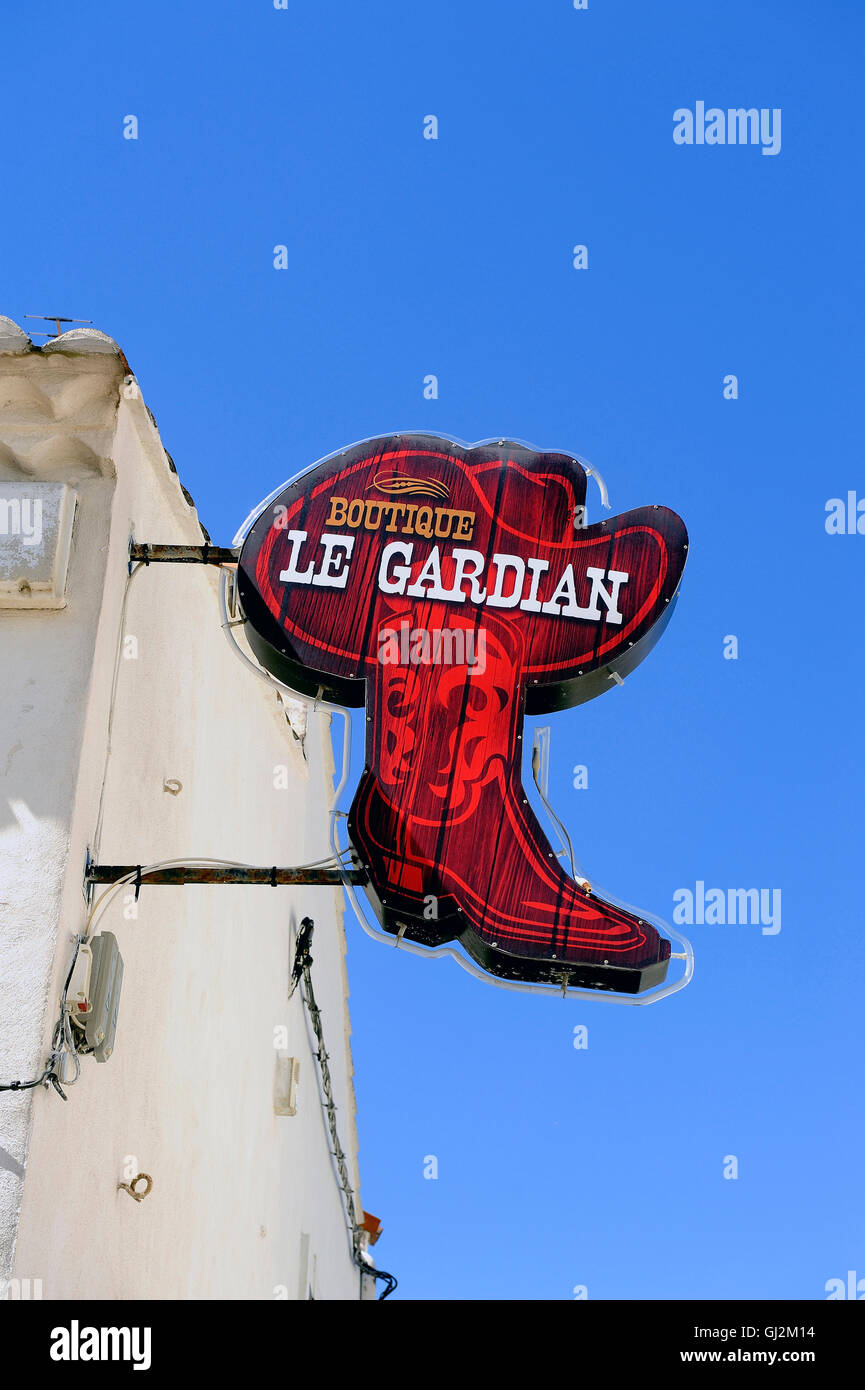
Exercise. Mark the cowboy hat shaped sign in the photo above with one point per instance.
(451, 590)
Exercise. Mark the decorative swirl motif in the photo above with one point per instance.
(407, 486)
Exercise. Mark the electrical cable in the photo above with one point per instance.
(97, 836)
(559, 825)
(593, 473)
(62, 1029)
(228, 624)
(302, 975)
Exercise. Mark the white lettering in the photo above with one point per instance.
(395, 582)
(292, 575)
(330, 575)
(496, 597)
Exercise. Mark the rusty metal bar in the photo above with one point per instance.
(274, 877)
(182, 554)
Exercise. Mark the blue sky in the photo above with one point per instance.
(408, 256)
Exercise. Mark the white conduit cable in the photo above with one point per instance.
(593, 473)
(558, 824)
(229, 624)
(97, 836)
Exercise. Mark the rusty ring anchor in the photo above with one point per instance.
(130, 1186)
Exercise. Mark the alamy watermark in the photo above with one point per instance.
(421, 646)
(77, 1343)
(846, 517)
(852, 1288)
(735, 126)
(20, 1290)
(22, 516)
(728, 907)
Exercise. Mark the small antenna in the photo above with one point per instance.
(53, 318)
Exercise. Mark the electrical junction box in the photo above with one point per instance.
(36, 521)
(106, 979)
(96, 1001)
(285, 1086)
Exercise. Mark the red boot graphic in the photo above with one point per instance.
(449, 590)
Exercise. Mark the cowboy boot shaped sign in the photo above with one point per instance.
(452, 590)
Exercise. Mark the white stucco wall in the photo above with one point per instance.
(244, 1202)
